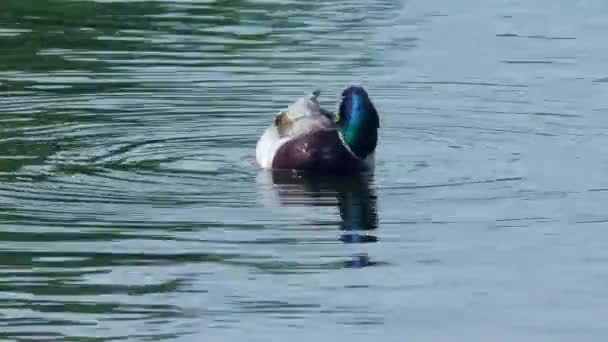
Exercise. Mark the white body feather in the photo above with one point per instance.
(267, 146)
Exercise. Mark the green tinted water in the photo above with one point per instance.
(131, 207)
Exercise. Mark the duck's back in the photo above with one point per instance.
(305, 125)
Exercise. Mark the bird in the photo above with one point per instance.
(308, 138)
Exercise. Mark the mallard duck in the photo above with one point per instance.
(307, 137)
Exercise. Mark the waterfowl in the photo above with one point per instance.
(307, 137)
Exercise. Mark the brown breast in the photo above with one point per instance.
(319, 151)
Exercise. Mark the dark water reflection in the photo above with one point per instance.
(353, 196)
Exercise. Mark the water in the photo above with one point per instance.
(131, 207)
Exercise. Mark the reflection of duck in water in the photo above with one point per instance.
(354, 196)
(306, 137)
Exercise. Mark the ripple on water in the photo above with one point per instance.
(126, 176)
(131, 208)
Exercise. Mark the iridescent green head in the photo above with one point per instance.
(358, 121)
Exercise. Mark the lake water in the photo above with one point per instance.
(131, 207)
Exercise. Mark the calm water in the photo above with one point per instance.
(131, 207)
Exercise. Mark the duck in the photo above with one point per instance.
(306, 137)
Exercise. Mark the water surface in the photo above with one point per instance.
(131, 207)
